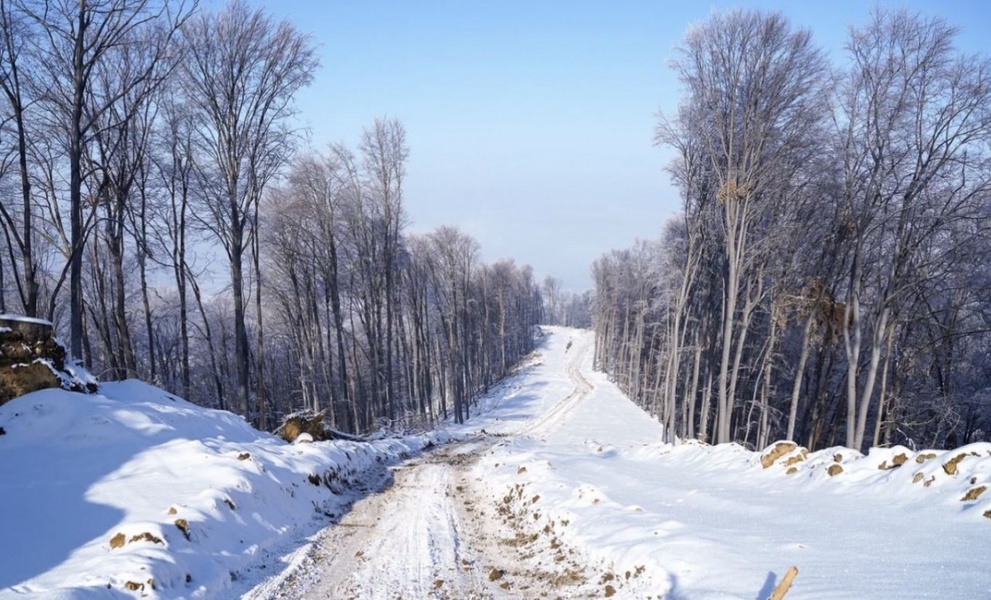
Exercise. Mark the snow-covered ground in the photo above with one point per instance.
(707, 522)
(560, 487)
(134, 492)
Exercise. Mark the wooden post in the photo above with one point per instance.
(784, 585)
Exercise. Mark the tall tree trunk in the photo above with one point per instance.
(724, 400)
(31, 286)
(241, 357)
(115, 245)
(796, 388)
(260, 365)
(142, 250)
(214, 368)
(75, 188)
(692, 397)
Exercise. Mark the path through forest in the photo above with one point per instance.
(433, 533)
(563, 487)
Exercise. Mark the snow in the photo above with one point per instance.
(23, 319)
(557, 457)
(709, 522)
(76, 471)
(576, 458)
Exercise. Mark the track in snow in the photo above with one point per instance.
(559, 412)
(428, 533)
(406, 541)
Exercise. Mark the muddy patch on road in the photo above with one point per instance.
(432, 531)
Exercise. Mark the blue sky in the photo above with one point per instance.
(531, 123)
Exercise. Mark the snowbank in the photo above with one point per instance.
(135, 491)
(699, 521)
(23, 319)
(706, 522)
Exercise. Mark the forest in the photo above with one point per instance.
(827, 278)
(160, 205)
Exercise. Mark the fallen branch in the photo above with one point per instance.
(784, 585)
(337, 434)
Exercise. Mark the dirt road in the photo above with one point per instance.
(431, 532)
(408, 541)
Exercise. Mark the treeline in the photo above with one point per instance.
(566, 308)
(157, 208)
(376, 323)
(828, 280)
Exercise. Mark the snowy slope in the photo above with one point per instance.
(707, 522)
(565, 456)
(92, 489)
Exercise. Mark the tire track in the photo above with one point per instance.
(431, 532)
(583, 388)
(408, 541)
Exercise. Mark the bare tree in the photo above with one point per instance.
(15, 69)
(753, 85)
(242, 72)
(118, 160)
(172, 163)
(75, 39)
(455, 255)
(859, 243)
(385, 152)
(457, 324)
(914, 119)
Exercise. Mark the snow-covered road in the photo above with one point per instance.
(434, 532)
(407, 541)
(564, 489)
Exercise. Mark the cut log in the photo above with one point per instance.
(314, 424)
